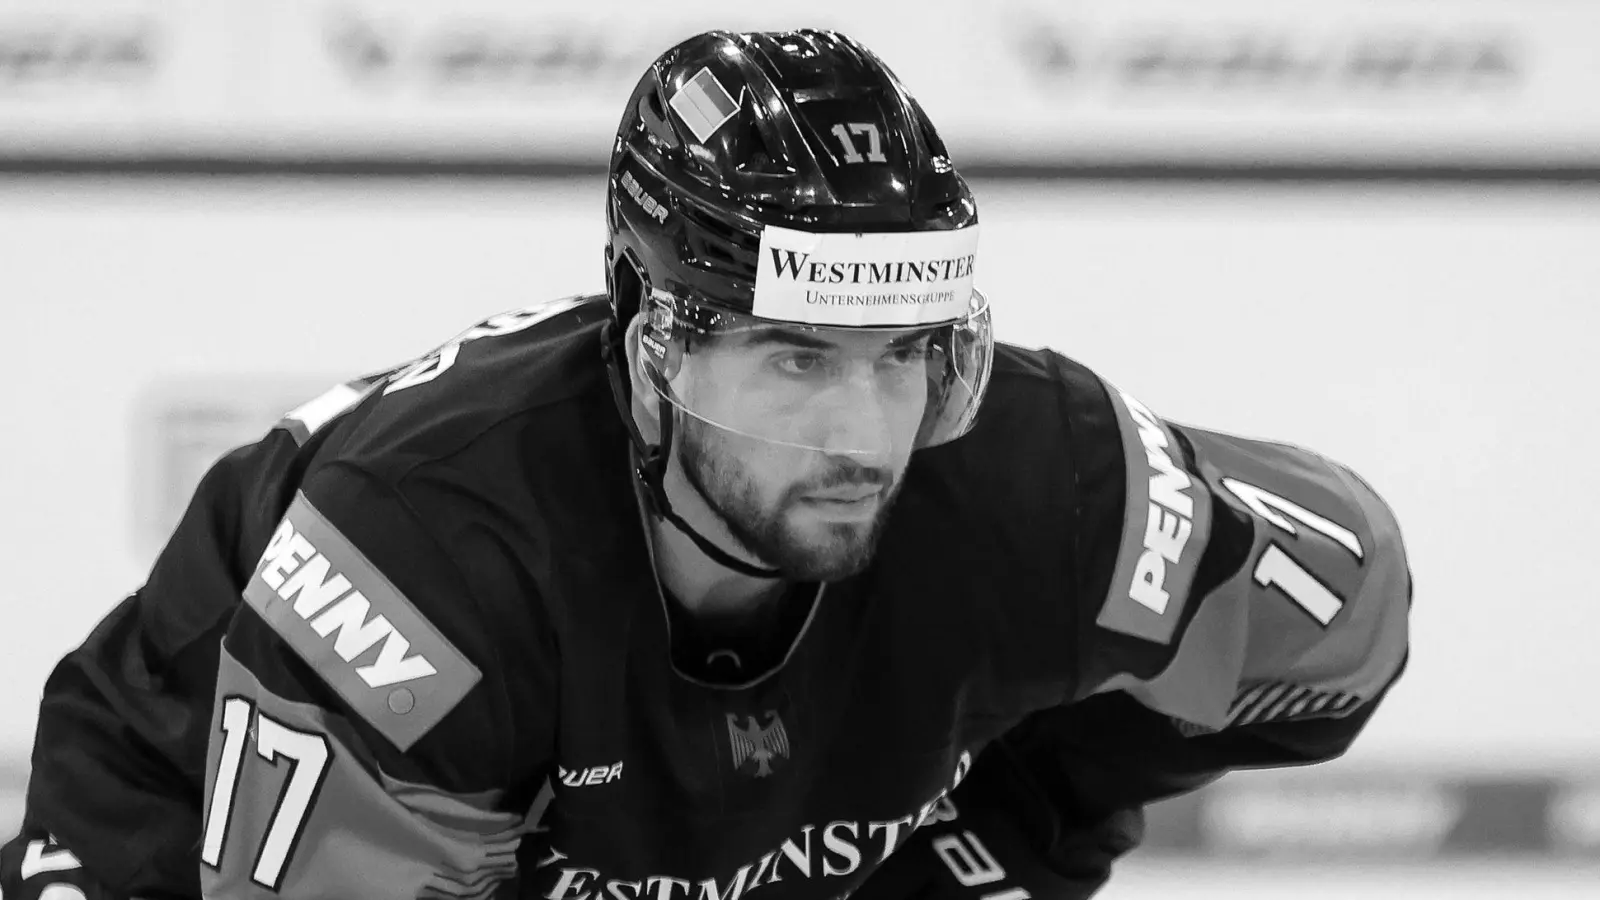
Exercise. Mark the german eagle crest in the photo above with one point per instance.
(762, 744)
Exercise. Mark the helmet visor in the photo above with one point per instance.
(854, 390)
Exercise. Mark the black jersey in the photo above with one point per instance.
(411, 644)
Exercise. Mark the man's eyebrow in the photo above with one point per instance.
(793, 338)
(911, 337)
(788, 336)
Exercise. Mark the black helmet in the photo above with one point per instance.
(786, 182)
(732, 138)
(727, 133)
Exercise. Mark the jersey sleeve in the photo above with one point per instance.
(119, 753)
(365, 740)
(1242, 604)
(1262, 582)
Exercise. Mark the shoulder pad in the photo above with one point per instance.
(444, 357)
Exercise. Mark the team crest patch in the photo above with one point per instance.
(758, 747)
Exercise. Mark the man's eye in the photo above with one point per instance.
(798, 363)
(907, 354)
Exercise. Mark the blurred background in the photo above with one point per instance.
(1368, 227)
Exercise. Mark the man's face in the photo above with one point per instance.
(799, 441)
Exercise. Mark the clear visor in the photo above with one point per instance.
(866, 391)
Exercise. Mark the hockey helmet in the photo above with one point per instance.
(788, 222)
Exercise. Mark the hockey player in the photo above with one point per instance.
(766, 572)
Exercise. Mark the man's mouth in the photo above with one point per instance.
(845, 495)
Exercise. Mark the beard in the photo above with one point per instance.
(818, 551)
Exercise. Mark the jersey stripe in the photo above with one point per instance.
(1282, 701)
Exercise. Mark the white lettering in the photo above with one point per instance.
(1166, 533)
(1148, 574)
(1267, 505)
(314, 587)
(761, 868)
(614, 889)
(842, 847)
(663, 886)
(841, 855)
(294, 549)
(280, 539)
(968, 859)
(891, 840)
(353, 632)
(793, 854)
(1168, 484)
(590, 776)
(427, 369)
(302, 575)
(442, 360)
(1168, 524)
(501, 324)
(36, 860)
(572, 885)
(393, 665)
(709, 891)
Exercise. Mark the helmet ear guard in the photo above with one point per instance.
(629, 290)
(659, 339)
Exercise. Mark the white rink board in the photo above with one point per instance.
(1439, 339)
(1468, 82)
(1472, 881)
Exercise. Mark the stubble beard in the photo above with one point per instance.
(825, 551)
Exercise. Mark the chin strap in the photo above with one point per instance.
(650, 462)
